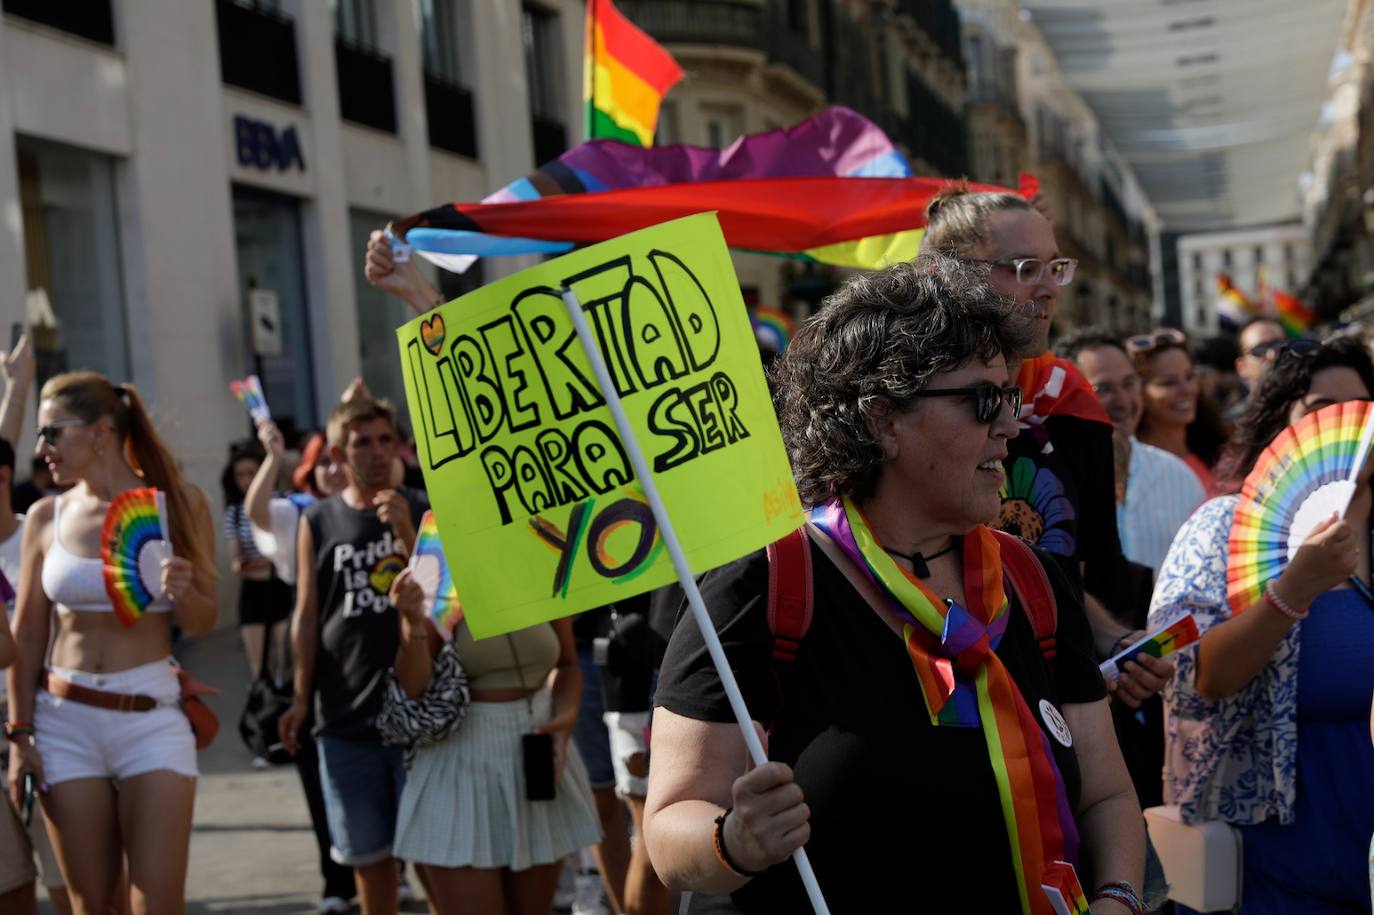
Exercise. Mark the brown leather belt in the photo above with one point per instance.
(84, 695)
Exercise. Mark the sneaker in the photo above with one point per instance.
(588, 898)
(334, 905)
(259, 763)
(567, 889)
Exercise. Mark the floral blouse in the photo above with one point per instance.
(1233, 759)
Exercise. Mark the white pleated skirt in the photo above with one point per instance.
(464, 803)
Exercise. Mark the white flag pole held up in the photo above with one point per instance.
(684, 571)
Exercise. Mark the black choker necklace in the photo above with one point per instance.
(918, 561)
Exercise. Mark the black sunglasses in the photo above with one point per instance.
(53, 431)
(1295, 349)
(988, 396)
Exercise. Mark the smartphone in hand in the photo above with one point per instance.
(30, 797)
(537, 753)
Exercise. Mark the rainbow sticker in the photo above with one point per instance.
(429, 567)
(1179, 634)
(1307, 473)
(1063, 890)
(133, 546)
(249, 393)
(772, 328)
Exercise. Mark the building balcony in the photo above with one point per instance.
(366, 93)
(452, 121)
(92, 19)
(940, 20)
(257, 51)
(734, 23)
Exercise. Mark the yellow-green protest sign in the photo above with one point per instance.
(535, 498)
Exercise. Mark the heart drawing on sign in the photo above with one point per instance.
(432, 333)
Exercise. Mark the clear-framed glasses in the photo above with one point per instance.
(1128, 385)
(53, 431)
(988, 399)
(1029, 270)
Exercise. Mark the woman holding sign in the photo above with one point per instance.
(1267, 713)
(917, 775)
(99, 730)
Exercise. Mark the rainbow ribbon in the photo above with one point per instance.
(1181, 633)
(249, 392)
(965, 684)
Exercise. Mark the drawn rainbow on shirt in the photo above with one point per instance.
(133, 544)
(249, 392)
(1179, 634)
(430, 568)
(1308, 472)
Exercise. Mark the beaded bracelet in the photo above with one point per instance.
(718, 841)
(1271, 594)
(1121, 891)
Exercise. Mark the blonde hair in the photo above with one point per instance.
(957, 218)
(90, 396)
(356, 410)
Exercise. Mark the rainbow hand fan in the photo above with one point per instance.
(133, 546)
(1307, 473)
(1179, 634)
(249, 392)
(429, 566)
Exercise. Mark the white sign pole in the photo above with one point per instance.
(684, 571)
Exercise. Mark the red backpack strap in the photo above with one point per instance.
(1032, 586)
(790, 600)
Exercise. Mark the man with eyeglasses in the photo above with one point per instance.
(1260, 340)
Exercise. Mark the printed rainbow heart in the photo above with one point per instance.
(432, 333)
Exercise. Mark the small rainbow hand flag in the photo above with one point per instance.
(1179, 634)
(1063, 890)
(430, 568)
(133, 545)
(249, 392)
(773, 328)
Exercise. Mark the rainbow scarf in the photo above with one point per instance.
(965, 684)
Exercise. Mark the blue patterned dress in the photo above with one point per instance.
(1287, 759)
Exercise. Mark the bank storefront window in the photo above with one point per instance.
(76, 311)
(267, 239)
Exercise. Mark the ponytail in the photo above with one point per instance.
(150, 458)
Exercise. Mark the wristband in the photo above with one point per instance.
(718, 841)
(1121, 891)
(1271, 594)
(15, 729)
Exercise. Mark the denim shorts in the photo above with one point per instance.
(590, 736)
(362, 781)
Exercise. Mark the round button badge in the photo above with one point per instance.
(1055, 723)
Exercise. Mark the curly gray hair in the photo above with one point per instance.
(876, 341)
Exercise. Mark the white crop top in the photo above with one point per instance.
(76, 584)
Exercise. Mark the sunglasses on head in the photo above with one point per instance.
(1294, 349)
(1144, 343)
(53, 431)
(988, 399)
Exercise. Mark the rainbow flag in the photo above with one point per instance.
(625, 76)
(1179, 634)
(1296, 318)
(1233, 305)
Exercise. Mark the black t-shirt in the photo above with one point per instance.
(1065, 501)
(904, 815)
(356, 558)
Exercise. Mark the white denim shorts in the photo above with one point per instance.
(82, 741)
(627, 741)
